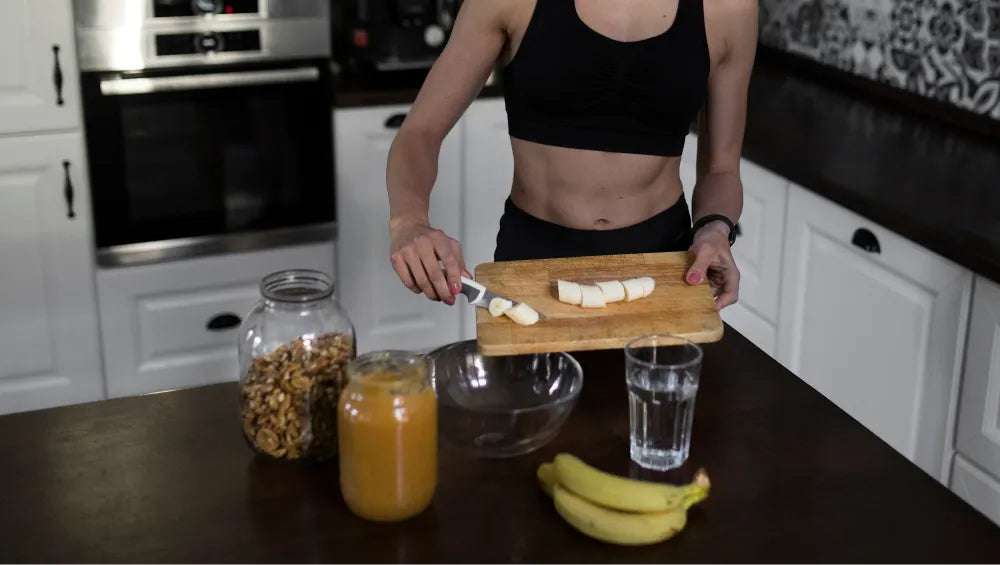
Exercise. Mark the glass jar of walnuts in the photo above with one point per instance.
(294, 348)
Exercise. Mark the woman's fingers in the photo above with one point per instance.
(429, 260)
(416, 266)
(729, 287)
(402, 269)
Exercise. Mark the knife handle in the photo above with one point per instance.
(472, 290)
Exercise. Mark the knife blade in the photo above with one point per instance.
(480, 296)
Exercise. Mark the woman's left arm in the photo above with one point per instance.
(718, 189)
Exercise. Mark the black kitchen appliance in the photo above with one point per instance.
(377, 36)
(208, 125)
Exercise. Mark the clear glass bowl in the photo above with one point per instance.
(502, 406)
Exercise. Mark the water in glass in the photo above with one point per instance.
(662, 384)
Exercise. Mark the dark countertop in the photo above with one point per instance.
(935, 184)
(169, 478)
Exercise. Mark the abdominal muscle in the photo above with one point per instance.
(592, 190)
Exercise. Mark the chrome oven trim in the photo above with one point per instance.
(146, 85)
(151, 252)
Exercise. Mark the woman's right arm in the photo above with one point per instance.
(455, 80)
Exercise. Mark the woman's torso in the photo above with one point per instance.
(587, 188)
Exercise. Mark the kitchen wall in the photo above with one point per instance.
(948, 50)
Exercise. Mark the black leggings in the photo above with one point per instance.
(523, 236)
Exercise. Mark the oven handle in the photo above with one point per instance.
(146, 85)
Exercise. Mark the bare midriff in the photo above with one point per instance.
(387, 429)
(584, 189)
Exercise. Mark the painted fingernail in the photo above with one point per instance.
(694, 278)
(455, 288)
(450, 301)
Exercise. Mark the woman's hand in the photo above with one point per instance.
(416, 249)
(713, 260)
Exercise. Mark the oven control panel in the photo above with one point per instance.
(187, 8)
(209, 42)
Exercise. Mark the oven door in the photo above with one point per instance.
(208, 155)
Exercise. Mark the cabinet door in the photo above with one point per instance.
(49, 350)
(978, 434)
(39, 87)
(176, 324)
(385, 313)
(877, 332)
(979, 489)
(487, 173)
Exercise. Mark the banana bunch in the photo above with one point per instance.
(616, 509)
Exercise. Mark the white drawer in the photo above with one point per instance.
(155, 319)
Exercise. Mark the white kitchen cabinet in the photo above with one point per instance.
(487, 173)
(977, 436)
(49, 348)
(36, 40)
(879, 333)
(176, 324)
(758, 248)
(385, 313)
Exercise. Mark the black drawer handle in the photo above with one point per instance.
(395, 121)
(57, 76)
(223, 322)
(866, 240)
(68, 191)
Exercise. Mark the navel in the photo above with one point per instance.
(601, 223)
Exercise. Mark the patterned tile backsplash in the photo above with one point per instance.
(948, 50)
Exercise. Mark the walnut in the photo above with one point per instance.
(289, 397)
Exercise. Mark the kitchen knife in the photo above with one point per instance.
(481, 296)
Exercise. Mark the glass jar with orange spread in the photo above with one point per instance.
(387, 430)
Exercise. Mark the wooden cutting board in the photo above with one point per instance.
(674, 307)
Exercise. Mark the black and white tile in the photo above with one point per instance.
(948, 50)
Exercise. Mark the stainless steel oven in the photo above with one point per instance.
(208, 125)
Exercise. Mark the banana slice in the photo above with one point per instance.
(522, 314)
(569, 292)
(500, 305)
(593, 296)
(648, 284)
(633, 289)
(613, 290)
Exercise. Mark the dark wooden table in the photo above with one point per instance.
(168, 478)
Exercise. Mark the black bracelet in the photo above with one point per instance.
(711, 218)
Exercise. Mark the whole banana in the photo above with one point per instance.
(622, 493)
(615, 526)
(612, 526)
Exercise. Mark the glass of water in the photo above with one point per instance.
(662, 373)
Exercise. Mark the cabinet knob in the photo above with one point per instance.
(395, 121)
(222, 322)
(866, 240)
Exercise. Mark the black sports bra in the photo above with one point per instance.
(570, 86)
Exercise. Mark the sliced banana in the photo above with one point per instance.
(522, 314)
(569, 292)
(633, 289)
(500, 305)
(593, 296)
(648, 284)
(613, 290)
